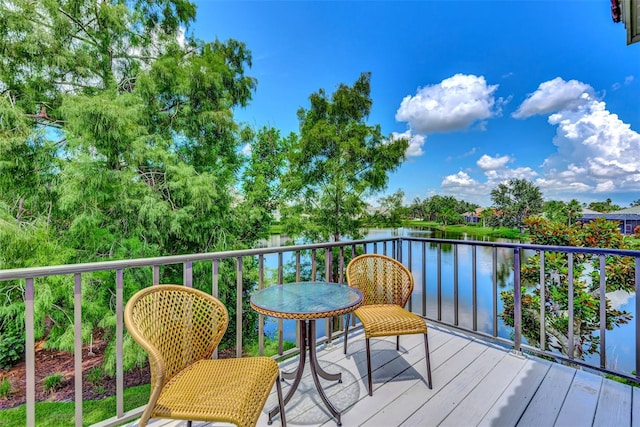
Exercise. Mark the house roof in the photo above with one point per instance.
(631, 210)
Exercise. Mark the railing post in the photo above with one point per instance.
(517, 302)
(30, 353)
(187, 274)
(474, 286)
(455, 285)
(298, 342)
(155, 275)
(439, 284)
(77, 351)
(424, 279)
(341, 266)
(239, 308)
(570, 298)
(637, 279)
(280, 321)
(494, 260)
(214, 289)
(328, 328)
(603, 312)
(119, 344)
(260, 315)
(409, 262)
(543, 303)
(313, 266)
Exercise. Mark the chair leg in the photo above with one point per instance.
(369, 368)
(346, 332)
(398, 343)
(283, 419)
(426, 347)
(189, 423)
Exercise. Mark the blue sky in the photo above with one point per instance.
(485, 90)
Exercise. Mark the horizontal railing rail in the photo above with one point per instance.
(442, 284)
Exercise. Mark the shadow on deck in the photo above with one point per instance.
(475, 383)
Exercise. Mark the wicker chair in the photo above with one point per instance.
(180, 327)
(386, 286)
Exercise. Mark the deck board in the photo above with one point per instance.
(614, 403)
(635, 407)
(579, 407)
(515, 398)
(547, 402)
(448, 397)
(474, 383)
(488, 391)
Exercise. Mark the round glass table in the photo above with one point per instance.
(306, 302)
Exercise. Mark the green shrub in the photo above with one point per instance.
(5, 388)
(95, 376)
(11, 347)
(52, 382)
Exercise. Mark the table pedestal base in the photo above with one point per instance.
(307, 330)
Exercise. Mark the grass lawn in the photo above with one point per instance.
(476, 230)
(61, 414)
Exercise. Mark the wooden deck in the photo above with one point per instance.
(475, 383)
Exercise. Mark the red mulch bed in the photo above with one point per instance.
(53, 362)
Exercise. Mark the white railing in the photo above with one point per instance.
(403, 248)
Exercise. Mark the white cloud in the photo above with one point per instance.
(555, 95)
(490, 163)
(246, 150)
(627, 81)
(605, 186)
(461, 179)
(462, 186)
(415, 142)
(596, 151)
(453, 104)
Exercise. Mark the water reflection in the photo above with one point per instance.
(619, 341)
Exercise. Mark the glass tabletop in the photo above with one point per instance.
(306, 300)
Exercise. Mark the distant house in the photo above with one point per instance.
(473, 217)
(628, 219)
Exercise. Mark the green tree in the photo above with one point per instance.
(586, 323)
(606, 206)
(261, 185)
(574, 211)
(559, 211)
(117, 140)
(393, 211)
(486, 215)
(555, 210)
(514, 201)
(336, 163)
(447, 209)
(417, 208)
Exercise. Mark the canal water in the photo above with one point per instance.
(620, 342)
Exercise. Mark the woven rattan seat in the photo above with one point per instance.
(180, 327)
(386, 285)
